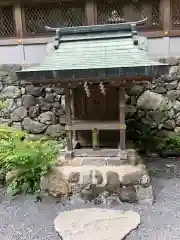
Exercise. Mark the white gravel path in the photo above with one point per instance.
(23, 219)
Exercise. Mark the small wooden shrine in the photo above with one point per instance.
(94, 65)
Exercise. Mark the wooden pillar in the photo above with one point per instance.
(68, 120)
(122, 118)
(95, 139)
(18, 18)
(90, 12)
(165, 14)
(74, 133)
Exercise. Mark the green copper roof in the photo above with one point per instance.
(95, 50)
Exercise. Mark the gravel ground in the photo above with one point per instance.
(23, 219)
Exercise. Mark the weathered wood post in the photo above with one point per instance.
(122, 118)
(68, 122)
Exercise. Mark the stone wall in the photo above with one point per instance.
(38, 110)
(157, 108)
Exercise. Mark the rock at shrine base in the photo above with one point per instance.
(96, 224)
(100, 184)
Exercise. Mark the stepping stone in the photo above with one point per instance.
(96, 224)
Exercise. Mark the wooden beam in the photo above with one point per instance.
(165, 15)
(18, 18)
(114, 81)
(104, 152)
(122, 118)
(90, 12)
(83, 125)
(68, 121)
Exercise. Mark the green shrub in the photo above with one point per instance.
(173, 143)
(31, 158)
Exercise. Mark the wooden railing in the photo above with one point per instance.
(26, 19)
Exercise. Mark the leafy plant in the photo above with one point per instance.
(143, 136)
(31, 159)
(3, 104)
(148, 140)
(173, 143)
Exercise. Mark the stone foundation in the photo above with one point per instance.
(100, 184)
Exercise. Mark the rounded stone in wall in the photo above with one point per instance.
(176, 106)
(3, 74)
(33, 126)
(62, 119)
(173, 70)
(35, 91)
(173, 94)
(171, 86)
(50, 97)
(28, 101)
(11, 92)
(136, 90)
(59, 91)
(44, 104)
(19, 114)
(19, 102)
(1, 86)
(57, 98)
(178, 86)
(55, 130)
(169, 78)
(177, 130)
(172, 61)
(47, 118)
(23, 90)
(160, 90)
(177, 119)
(34, 111)
(150, 100)
(169, 124)
(10, 105)
(49, 90)
(56, 105)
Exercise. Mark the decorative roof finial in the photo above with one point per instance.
(115, 18)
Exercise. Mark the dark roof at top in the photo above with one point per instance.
(109, 50)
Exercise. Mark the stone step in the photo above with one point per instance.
(65, 178)
(91, 161)
(124, 172)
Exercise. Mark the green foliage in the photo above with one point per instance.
(173, 144)
(143, 136)
(147, 140)
(31, 158)
(3, 104)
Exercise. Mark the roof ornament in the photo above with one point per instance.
(86, 89)
(115, 22)
(102, 88)
(86, 28)
(115, 18)
(57, 40)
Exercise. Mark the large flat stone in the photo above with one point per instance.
(96, 224)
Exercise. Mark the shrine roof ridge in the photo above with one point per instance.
(129, 26)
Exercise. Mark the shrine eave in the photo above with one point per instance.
(90, 74)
